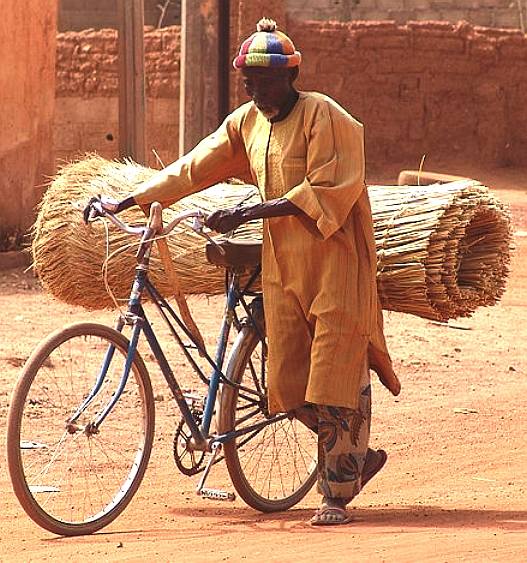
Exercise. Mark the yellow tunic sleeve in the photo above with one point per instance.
(217, 157)
(334, 168)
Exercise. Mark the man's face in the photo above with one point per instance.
(269, 88)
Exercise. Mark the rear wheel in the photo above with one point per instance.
(70, 478)
(272, 468)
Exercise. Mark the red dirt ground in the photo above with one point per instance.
(454, 488)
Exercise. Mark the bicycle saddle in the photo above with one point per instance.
(237, 254)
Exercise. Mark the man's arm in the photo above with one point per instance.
(225, 220)
(118, 206)
(219, 156)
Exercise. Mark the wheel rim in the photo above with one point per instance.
(72, 475)
(279, 461)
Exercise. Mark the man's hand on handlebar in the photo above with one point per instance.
(225, 220)
(109, 204)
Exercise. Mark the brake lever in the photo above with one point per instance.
(96, 210)
(198, 223)
(91, 210)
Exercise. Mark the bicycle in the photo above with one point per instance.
(81, 420)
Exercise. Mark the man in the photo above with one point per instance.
(324, 323)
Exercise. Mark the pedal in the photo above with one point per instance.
(217, 494)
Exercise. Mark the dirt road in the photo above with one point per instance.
(454, 488)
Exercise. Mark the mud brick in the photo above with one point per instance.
(389, 4)
(494, 3)
(300, 5)
(488, 93)
(164, 88)
(480, 47)
(367, 27)
(516, 39)
(329, 40)
(374, 15)
(441, 4)
(401, 16)
(424, 16)
(384, 42)
(170, 40)
(455, 15)
(430, 27)
(507, 18)
(417, 5)
(351, 62)
(513, 52)
(445, 44)
(153, 43)
(401, 64)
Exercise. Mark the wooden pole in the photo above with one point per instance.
(199, 90)
(131, 80)
(224, 59)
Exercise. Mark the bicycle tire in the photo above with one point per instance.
(53, 480)
(293, 446)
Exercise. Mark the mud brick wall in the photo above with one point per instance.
(491, 13)
(76, 15)
(450, 91)
(445, 90)
(98, 14)
(87, 108)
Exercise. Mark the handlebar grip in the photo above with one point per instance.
(155, 221)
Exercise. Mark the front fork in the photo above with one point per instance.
(132, 317)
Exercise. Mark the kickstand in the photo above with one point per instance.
(214, 494)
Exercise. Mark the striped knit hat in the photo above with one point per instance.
(267, 47)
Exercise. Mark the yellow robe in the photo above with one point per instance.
(319, 274)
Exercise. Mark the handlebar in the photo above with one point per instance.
(198, 215)
(154, 227)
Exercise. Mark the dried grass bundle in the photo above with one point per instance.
(443, 250)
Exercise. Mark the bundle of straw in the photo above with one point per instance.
(443, 250)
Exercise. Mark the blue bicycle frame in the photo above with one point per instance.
(136, 317)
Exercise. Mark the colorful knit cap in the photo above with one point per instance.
(267, 47)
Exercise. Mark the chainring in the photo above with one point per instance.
(187, 460)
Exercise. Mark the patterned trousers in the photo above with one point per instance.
(343, 436)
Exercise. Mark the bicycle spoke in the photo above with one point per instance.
(275, 466)
(76, 475)
(246, 417)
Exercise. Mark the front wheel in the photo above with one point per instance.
(274, 467)
(70, 477)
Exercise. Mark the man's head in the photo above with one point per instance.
(269, 63)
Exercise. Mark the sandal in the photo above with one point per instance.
(330, 516)
(375, 460)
